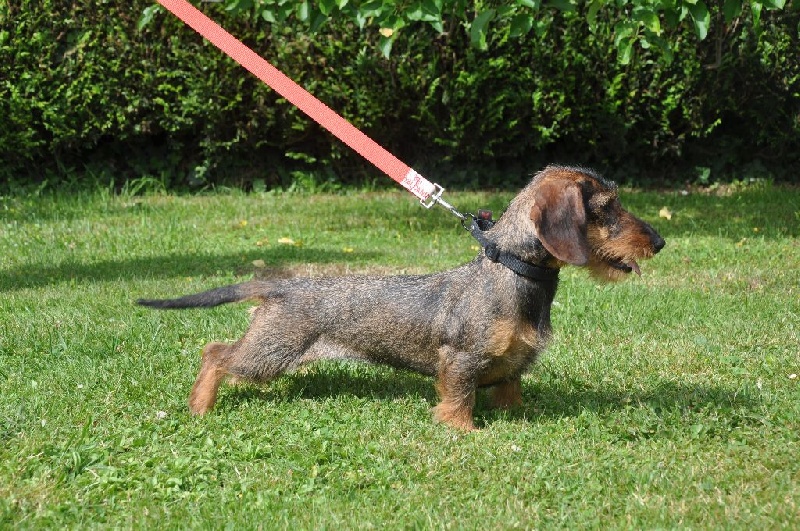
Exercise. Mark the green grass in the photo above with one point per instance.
(663, 402)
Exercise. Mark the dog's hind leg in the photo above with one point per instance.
(245, 360)
(212, 372)
(269, 348)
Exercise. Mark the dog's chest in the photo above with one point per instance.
(511, 339)
(511, 347)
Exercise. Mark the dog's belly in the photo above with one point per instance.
(326, 348)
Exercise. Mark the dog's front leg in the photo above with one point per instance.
(456, 382)
(506, 395)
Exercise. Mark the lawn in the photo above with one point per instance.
(666, 401)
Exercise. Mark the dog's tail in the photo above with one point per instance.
(209, 299)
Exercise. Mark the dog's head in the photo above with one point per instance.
(579, 220)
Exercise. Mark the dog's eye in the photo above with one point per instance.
(605, 211)
(601, 205)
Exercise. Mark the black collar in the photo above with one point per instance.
(510, 260)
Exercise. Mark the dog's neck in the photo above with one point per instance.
(530, 267)
(514, 233)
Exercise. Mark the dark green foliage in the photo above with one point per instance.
(82, 87)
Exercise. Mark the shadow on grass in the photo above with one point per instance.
(549, 400)
(571, 399)
(170, 266)
(327, 379)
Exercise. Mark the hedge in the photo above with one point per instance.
(80, 85)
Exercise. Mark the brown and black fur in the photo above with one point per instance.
(478, 325)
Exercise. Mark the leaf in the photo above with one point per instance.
(731, 9)
(540, 28)
(755, 8)
(625, 52)
(433, 8)
(385, 46)
(703, 174)
(326, 7)
(665, 213)
(438, 25)
(268, 16)
(649, 19)
(317, 22)
(147, 16)
(623, 31)
(303, 11)
(521, 25)
(673, 17)
(239, 6)
(591, 14)
(477, 31)
(661, 44)
(701, 18)
(426, 12)
(371, 9)
(567, 6)
(624, 37)
(533, 4)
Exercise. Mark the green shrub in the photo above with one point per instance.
(81, 86)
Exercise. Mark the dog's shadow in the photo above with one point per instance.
(544, 399)
(328, 379)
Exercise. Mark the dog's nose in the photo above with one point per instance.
(658, 243)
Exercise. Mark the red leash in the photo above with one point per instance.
(428, 193)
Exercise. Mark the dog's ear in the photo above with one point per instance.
(560, 220)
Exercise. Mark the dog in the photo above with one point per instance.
(479, 325)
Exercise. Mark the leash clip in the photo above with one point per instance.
(436, 197)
